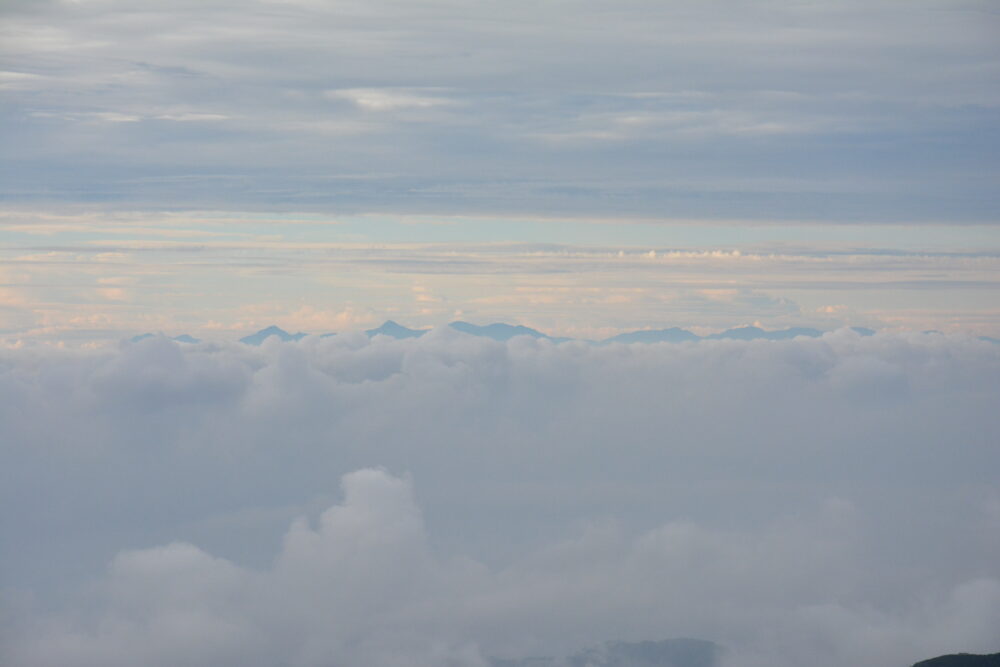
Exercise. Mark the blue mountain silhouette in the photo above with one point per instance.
(395, 330)
(183, 338)
(264, 334)
(756, 333)
(671, 335)
(500, 331)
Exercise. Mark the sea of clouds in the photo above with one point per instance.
(449, 499)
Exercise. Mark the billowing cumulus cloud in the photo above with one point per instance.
(450, 499)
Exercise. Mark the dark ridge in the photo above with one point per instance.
(962, 660)
(666, 653)
(756, 333)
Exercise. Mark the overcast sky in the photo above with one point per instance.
(219, 166)
(861, 111)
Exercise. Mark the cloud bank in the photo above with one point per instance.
(858, 110)
(445, 500)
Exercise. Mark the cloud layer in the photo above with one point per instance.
(443, 500)
(777, 110)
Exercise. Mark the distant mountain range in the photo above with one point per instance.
(183, 338)
(264, 334)
(962, 660)
(671, 335)
(689, 653)
(497, 331)
(394, 330)
(666, 653)
(500, 331)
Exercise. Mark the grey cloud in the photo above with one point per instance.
(363, 587)
(860, 111)
(826, 500)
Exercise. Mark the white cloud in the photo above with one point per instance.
(355, 589)
(190, 117)
(818, 500)
(363, 587)
(388, 99)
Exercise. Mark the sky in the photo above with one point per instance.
(585, 168)
(582, 167)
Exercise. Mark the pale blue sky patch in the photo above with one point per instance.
(228, 273)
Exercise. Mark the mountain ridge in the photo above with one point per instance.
(182, 338)
(962, 660)
(502, 332)
(682, 652)
(262, 335)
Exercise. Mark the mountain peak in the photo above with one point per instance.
(756, 333)
(183, 338)
(395, 330)
(497, 331)
(273, 330)
(671, 335)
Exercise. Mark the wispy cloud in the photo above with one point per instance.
(389, 99)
